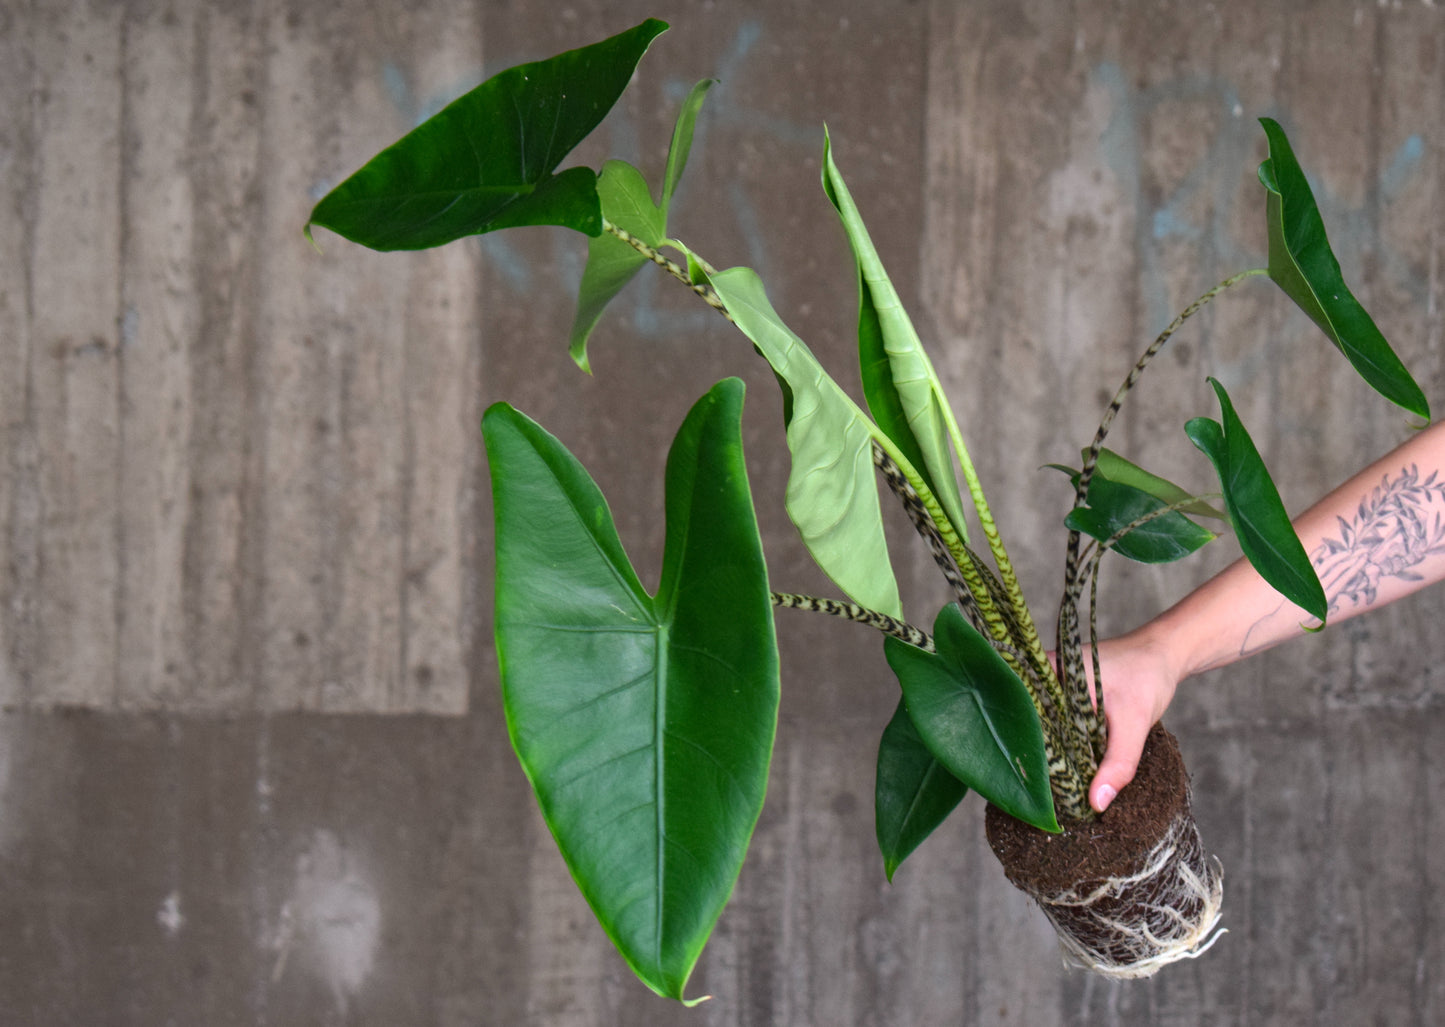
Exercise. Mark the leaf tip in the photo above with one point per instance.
(578, 352)
(891, 863)
(498, 411)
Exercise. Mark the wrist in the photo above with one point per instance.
(1170, 646)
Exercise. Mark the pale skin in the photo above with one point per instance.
(1376, 538)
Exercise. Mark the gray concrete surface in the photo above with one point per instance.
(252, 763)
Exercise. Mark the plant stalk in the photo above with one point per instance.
(703, 290)
(1088, 717)
(995, 604)
(1091, 460)
(858, 614)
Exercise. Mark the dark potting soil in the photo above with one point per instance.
(1114, 844)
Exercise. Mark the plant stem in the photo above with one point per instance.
(705, 291)
(995, 604)
(858, 614)
(1092, 459)
(883, 447)
(974, 586)
(925, 523)
(1028, 630)
(1088, 723)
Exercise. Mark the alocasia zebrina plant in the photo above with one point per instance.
(645, 721)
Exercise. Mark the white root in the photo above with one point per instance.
(1172, 903)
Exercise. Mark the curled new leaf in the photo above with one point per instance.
(611, 262)
(1260, 521)
(681, 146)
(487, 160)
(1303, 265)
(627, 203)
(976, 717)
(903, 392)
(644, 723)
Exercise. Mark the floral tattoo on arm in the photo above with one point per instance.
(1395, 529)
(1398, 526)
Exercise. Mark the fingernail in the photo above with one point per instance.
(1105, 796)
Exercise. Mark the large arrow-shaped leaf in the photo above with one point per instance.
(627, 203)
(1303, 265)
(645, 724)
(976, 717)
(903, 392)
(1260, 521)
(912, 794)
(832, 495)
(487, 160)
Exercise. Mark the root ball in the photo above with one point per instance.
(1131, 891)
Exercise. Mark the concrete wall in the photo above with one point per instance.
(252, 763)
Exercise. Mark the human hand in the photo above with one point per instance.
(1139, 683)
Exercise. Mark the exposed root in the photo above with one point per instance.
(1131, 926)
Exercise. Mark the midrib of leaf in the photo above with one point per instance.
(659, 731)
(993, 733)
(547, 161)
(934, 768)
(1264, 541)
(644, 609)
(519, 189)
(586, 629)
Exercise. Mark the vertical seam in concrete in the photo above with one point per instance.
(472, 559)
(25, 559)
(251, 589)
(400, 697)
(1328, 934)
(123, 172)
(1247, 885)
(1371, 276)
(1419, 980)
(342, 517)
(190, 605)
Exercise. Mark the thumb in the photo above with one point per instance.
(1121, 760)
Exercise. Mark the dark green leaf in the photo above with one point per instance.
(1260, 521)
(644, 724)
(1303, 265)
(487, 160)
(913, 793)
(976, 717)
(1114, 506)
(1116, 468)
(900, 385)
(832, 495)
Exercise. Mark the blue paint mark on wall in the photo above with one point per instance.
(1197, 209)
(1402, 166)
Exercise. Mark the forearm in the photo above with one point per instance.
(1379, 536)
